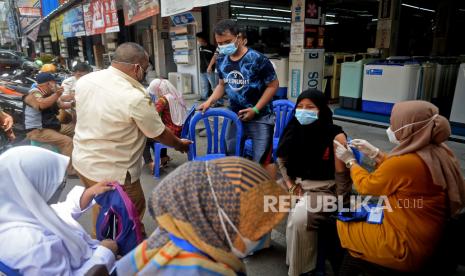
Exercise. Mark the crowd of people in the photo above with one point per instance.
(211, 214)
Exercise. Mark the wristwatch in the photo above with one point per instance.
(292, 189)
(350, 163)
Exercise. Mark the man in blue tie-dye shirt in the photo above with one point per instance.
(250, 81)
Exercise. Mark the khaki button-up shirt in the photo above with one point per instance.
(114, 117)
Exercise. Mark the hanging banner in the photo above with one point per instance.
(73, 23)
(100, 16)
(33, 34)
(170, 7)
(59, 27)
(29, 14)
(136, 10)
(53, 30)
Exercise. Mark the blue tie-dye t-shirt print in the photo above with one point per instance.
(245, 80)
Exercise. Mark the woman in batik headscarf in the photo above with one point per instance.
(210, 215)
(422, 181)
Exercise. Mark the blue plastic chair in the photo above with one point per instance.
(45, 146)
(157, 147)
(6, 270)
(283, 110)
(216, 139)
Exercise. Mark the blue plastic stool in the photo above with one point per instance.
(157, 147)
(45, 146)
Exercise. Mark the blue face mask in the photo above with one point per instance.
(228, 49)
(306, 117)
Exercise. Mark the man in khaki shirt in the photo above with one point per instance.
(114, 117)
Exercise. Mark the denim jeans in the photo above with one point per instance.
(207, 80)
(260, 130)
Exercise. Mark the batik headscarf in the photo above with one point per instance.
(421, 130)
(163, 88)
(183, 206)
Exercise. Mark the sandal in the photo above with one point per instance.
(164, 161)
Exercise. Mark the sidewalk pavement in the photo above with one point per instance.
(271, 262)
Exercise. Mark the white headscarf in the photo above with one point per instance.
(163, 88)
(29, 176)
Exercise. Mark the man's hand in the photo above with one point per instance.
(7, 123)
(11, 135)
(110, 244)
(59, 91)
(183, 145)
(204, 107)
(246, 114)
(209, 69)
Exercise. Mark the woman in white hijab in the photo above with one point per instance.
(41, 239)
(171, 107)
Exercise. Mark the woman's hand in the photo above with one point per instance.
(365, 147)
(298, 191)
(344, 153)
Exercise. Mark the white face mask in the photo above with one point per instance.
(392, 134)
(250, 246)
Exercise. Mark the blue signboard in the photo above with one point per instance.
(183, 19)
(48, 6)
(73, 23)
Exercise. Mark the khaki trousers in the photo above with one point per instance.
(135, 193)
(62, 140)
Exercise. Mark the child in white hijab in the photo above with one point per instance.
(41, 239)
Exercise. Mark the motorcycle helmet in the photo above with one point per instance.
(48, 68)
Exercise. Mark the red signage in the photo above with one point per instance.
(139, 9)
(26, 11)
(100, 16)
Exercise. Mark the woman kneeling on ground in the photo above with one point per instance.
(210, 215)
(424, 187)
(308, 166)
(41, 239)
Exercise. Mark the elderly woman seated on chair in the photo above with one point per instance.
(36, 236)
(172, 109)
